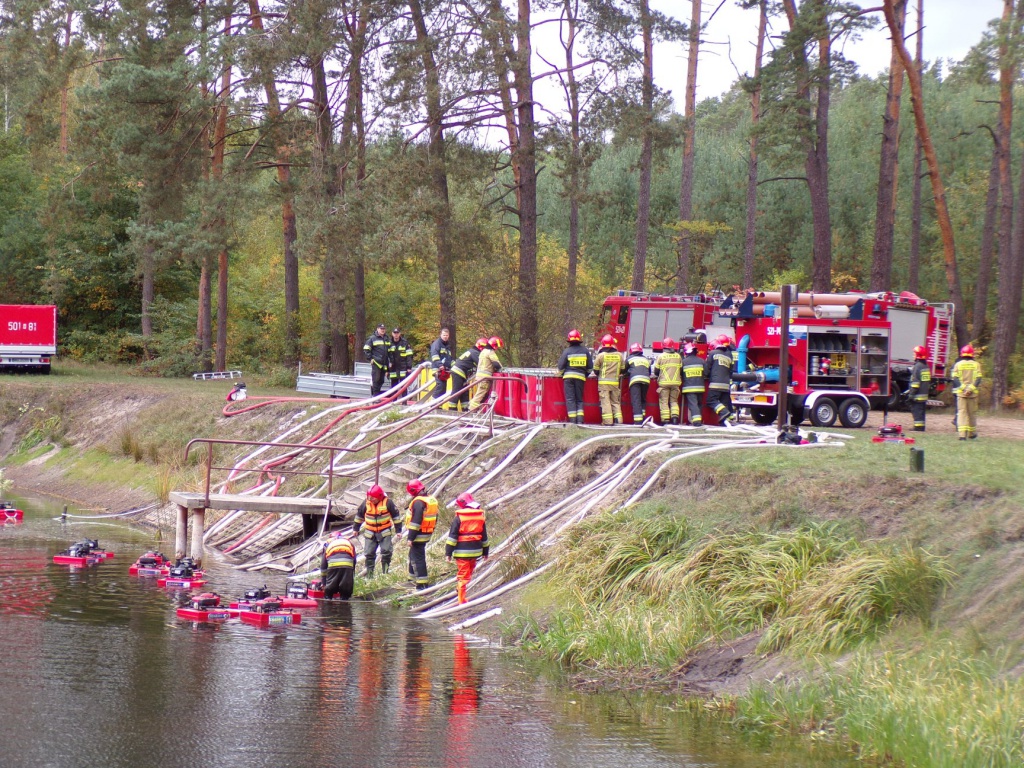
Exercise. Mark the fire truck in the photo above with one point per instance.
(648, 318)
(847, 352)
(28, 337)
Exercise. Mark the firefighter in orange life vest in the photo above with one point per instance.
(467, 540)
(966, 376)
(486, 367)
(338, 565)
(920, 385)
(420, 520)
(638, 367)
(668, 369)
(608, 364)
(693, 385)
(718, 373)
(378, 519)
(575, 366)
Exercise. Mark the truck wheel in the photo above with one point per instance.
(853, 413)
(763, 416)
(824, 412)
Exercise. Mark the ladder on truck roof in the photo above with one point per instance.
(939, 338)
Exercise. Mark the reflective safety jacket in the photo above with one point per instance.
(378, 519)
(339, 553)
(608, 364)
(467, 362)
(920, 381)
(966, 375)
(399, 355)
(468, 535)
(576, 362)
(718, 369)
(376, 350)
(489, 364)
(440, 354)
(693, 373)
(421, 518)
(638, 366)
(668, 369)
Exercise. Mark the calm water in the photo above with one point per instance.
(96, 670)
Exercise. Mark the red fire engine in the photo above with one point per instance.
(648, 318)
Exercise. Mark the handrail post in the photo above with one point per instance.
(376, 474)
(330, 474)
(209, 464)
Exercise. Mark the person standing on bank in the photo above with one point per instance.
(467, 540)
(338, 565)
(376, 351)
(420, 520)
(399, 357)
(575, 366)
(486, 367)
(920, 386)
(693, 386)
(462, 370)
(441, 361)
(638, 369)
(378, 520)
(966, 376)
(609, 365)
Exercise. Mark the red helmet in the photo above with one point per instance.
(920, 353)
(574, 335)
(636, 348)
(415, 488)
(376, 493)
(967, 350)
(668, 343)
(481, 343)
(607, 340)
(688, 348)
(464, 500)
(723, 341)
(496, 342)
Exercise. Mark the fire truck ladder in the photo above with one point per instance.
(938, 340)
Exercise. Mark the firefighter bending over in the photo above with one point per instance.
(378, 519)
(718, 374)
(693, 385)
(966, 375)
(488, 365)
(467, 540)
(920, 384)
(668, 369)
(575, 366)
(608, 364)
(338, 565)
(638, 368)
(420, 520)
(462, 370)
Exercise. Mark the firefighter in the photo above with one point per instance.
(966, 375)
(338, 565)
(693, 385)
(718, 374)
(920, 385)
(638, 368)
(462, 370)
(486, 367)
(608, 364)
(376, 351)
(399, 357)
(441, 361)
(378, 520)
(420, 520)
(467, 540)
(575, 365)
(668, 369)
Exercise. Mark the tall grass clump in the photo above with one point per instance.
(937, 706)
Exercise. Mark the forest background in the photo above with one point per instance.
(203, 184)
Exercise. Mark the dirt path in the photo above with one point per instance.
(940, 420)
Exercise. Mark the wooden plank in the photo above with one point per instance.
(231, 501)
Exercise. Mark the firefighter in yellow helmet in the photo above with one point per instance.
(668, 369)
(486, 367)
(608, 364)
(420, 520)
(966, 376)
(920, 385)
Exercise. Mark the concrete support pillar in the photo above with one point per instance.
(181, 533)
(198, 532)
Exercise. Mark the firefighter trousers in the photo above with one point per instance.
(668, 404)
(917, 410)
(461, 401)
(377, 377)
(464, 575)
(638, 400)
(611, 403)
(967, 416)
(573, 389)
(340, 581)
(418, 563)
(720, 402)
(440, 388)
(694, 408)
(370, 548)
(481, 392)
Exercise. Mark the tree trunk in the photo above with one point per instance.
(204, 330)
(441, 208)
(529, 338)
(938, 191)
(643, 203)
(573, 102)
(217, 170)
(64, 91)
(979, 317)
(885, 205)
(755, 117)
(914, 265)
(148, 270)
(689, 126)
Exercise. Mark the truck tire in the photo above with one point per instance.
(764, 416)
(853, 413)
(824, 412)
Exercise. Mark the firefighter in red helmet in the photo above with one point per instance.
(420, 520)
(338, 565)
(575, 365)
(693, 385)
(462, 371)
(467, 540)
(718, 374)
(668, 369)
(638, 368)
(487, 366)
(378, 520)
(920, 386)
(966, 376)
(609, 364)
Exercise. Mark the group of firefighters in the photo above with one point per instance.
(379, 522)
(966, 378)
(679, 373)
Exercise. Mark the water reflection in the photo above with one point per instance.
(97, 670)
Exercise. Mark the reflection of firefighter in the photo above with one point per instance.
(608, 364)
(575, 366)
(378, 519)
(920, 385)
(467, 540)
(668, 369)
(420, 519)
(335, 654)
(693, 385)
(376, 351)
(416, 682)
(966, 376)
(638, 368)
(718, 373)
(462, 370)
(486, 367)
(465, 692)
(338, 565)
